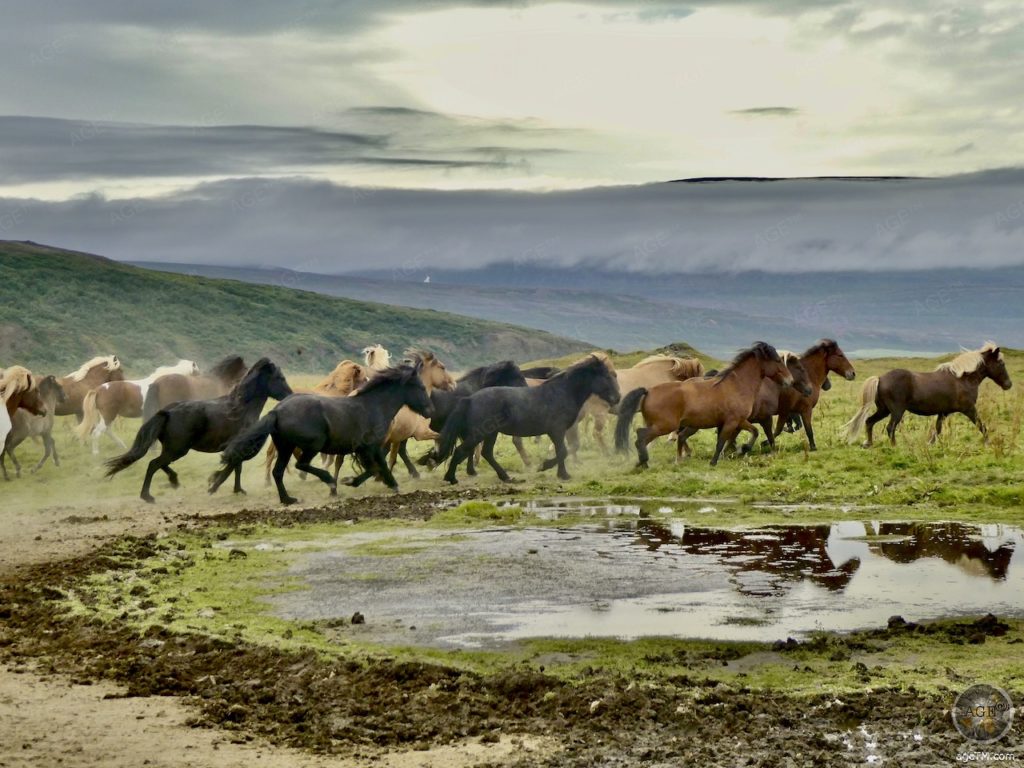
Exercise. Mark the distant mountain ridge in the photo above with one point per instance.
(59, 308)
(898, 313)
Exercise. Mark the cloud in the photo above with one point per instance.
(974, 220)
(768, 112)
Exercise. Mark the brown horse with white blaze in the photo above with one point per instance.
(951, 388)
(723, 403)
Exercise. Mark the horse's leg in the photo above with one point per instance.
(897, 417)
(523, 455)
(869, 424)
(375, 457)
(160, 462)
(403, 452)
(109, 432)
(725, 435)
(47, 451)
(805, 417)
(561, 454)
(747, 426)
(3, 465)
(284, 455)
(682, 435)
(972, 414)
(937, 429)
(572, 437)
(488, 453)
(172, 476)
(643, 437)
(14, 461)
(459, 455)
(473, 459)
(53, 447)
(238, 480)
(304, 464)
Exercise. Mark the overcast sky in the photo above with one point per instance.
(161, 108)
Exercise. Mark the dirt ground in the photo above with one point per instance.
(77, 692)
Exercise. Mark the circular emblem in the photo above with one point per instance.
(983, 713)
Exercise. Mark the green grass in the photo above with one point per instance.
(59, 308)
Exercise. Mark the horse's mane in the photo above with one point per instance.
(970, 360)
(163, 370)
(679, 367)
(827, 345)
(15, 379)
(231, 365)
(422, 356)
(245, 386)
(398, 374)
(109, 361)
(788, 357)
(593, 360)
(370, 354)
(342, 379)
(760, 350)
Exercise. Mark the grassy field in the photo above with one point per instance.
(59, 308)
(959, 477)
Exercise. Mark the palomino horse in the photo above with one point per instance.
(649, 372)
(121, 398)
(27, 425)
(769, 395)
(407, 423)
(547, 409)
(77, 384)
(336, 425)
(723, 403)
(18, 389)
(179, 388)
(821, 359)
(203, 425)
(346, 377)
(950, 388)
(376, 357)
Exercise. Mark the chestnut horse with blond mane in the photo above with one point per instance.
(90, 375)
(951, 388)
(18, 389)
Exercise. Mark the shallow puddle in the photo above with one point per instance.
(628, 574)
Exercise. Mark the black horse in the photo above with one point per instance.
(547, 409)
(502, 374)
(313, 424)
(541, 372)
(203, 425)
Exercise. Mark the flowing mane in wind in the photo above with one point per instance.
(970, 360)
(761, 350)
(110, 362)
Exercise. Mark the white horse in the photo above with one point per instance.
(376, 357)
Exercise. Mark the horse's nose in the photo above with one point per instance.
(850, 375)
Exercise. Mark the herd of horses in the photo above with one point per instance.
(371, 410)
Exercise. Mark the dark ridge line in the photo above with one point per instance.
(711, 179)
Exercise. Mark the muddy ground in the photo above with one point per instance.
(77, 691)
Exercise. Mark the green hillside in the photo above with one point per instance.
(59, 308)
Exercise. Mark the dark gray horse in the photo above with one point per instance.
(547, 409)
(203, 425)
(313, 424)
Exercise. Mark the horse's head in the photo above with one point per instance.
(415, 392)
(432, 371)
(32, 399)
(772, 365)
(604, 383)
(270, 379)
(52, 391)
(836, 361)
(995, 366)
(377, 358)
(801, 381)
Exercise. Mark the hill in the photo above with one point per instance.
(60, 307)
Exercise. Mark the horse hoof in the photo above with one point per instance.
(451, 481)
(333, 491)
(865, 445)
(237, 490)
(147, 498)
(288, 500)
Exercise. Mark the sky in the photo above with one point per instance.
(177, 112)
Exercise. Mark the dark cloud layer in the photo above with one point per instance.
(972, 221)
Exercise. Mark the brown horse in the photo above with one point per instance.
(769, 397)
(346, 377)
(652, 370)
(724, 402)
(18, 389)
(176, 388)
(121, 398)
(76, 385)
(26, 424)
(950, 388)
(821, 359)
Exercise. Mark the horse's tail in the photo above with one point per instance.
(271, 458)
(151, 403)
(243, 447)
(147, 435)
(627, 410)
(90, 416)
(868, 393)
(454, 428)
